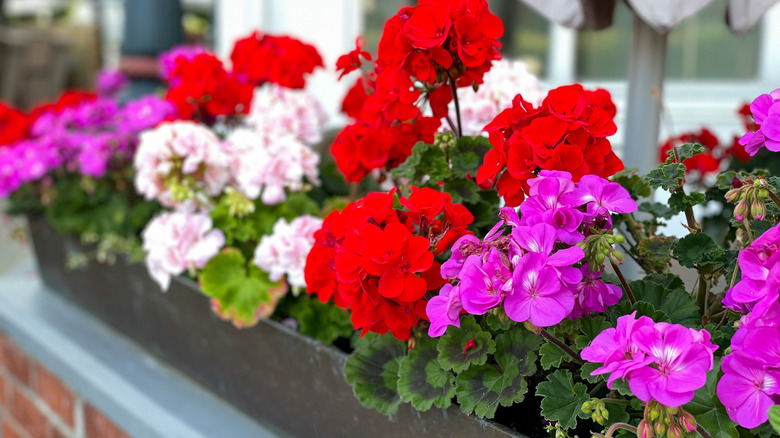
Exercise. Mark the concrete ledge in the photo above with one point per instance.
(141, 395)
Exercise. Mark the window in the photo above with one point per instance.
(701, 47)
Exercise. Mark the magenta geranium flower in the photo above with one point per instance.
(462, 248)
(483, 285)
(594, 295)
(766, 114)
(679, 368)
(443, 310)
(602, 197)
(660, 361)
(537, 295)
(746, 389)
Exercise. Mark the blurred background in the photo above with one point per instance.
(47, 46)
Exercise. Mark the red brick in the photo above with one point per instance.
(15, 361)
(27, 415)
(3, 385)
(55, 394)
(96, 425)
(9, 430)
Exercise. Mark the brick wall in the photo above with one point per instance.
(34, 403)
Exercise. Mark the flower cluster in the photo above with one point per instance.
(80, 133)
(766, 116)
(110, 83)
(567, 132)
(179, 161)
(660, 361)
(751, 372)
(201, 87)
(527, 263)
(425, 52)
(283, 253)
(14, 125)
(441, 39)
(179, 241)
(378, 261)
(261, 58)
(500, 85)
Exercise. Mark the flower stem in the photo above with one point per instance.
(615, 427)
(774, 198)
(457, 104)
(702, 431)
(693, 227)
(624, 283)
(547, 335)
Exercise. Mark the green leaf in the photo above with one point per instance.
(709, 411)
(462, 190)
(676, 303)
(666, 176)
(657, 209)
(323, 321)
(679, 201)
(485, 212)
(699, 251)
(686, 151)
(657, 250)
(456, 351)
(590, 327)
(239, 290)
(481, 388)
(562, 399)
(468, 154)
(372, 370)
(774, 418)
(632, 182)
(496, 324)
(667, 281)
(422, 381)
(586, 369)
(552, 356)
(426, 160)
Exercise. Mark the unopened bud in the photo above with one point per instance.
(654, 413)
(732, 195)
(644, 430)
(620, 239)
(674, 431)
(740, 210)
(757, 209)
(660, 428)
(688, 422)
(600, 258)
(532, 328)
(617, 257)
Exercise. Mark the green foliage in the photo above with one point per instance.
(709, 411)
(239, 287)
(679, 201)
(462, 190)
(632, 182)
(482, 388)
(453, 352)
(666, 176)
(499, 323)
(585, 372)
(657, 209)
(323, 321)
(699, 251)
(562, 399)
(422, 381)
(426, 160)
(245, 232)
(468, 154)
(774, 418)
(657, 251)
(686, 151)
(590, 327)
(674, 302)
(373, 369)
(552, 355)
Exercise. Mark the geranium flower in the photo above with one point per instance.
(765, 110)
(537, 295)
(482, 284)
(444, 310)
(284, 251)
(594, 295)
(746, 389)
(177, 241)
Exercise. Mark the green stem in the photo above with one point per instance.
(623, 281)
(774, 198)
(457, 104)
(702, 431)
(574, 355)
(615, 427)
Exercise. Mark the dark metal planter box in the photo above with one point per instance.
(281, 378)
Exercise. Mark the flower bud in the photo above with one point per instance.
(687, 421)
(740, 210)
(732, 194)
(644, 430)
(532, 328)
(672, 410)
(674, 431)
(757, 209)
(620, 239)
(660, 428)
(654, 413)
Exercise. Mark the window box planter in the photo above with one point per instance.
(279, 377)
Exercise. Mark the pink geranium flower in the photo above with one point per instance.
(537, 294)
(443, 310)
(482, 284)
(746, 389)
